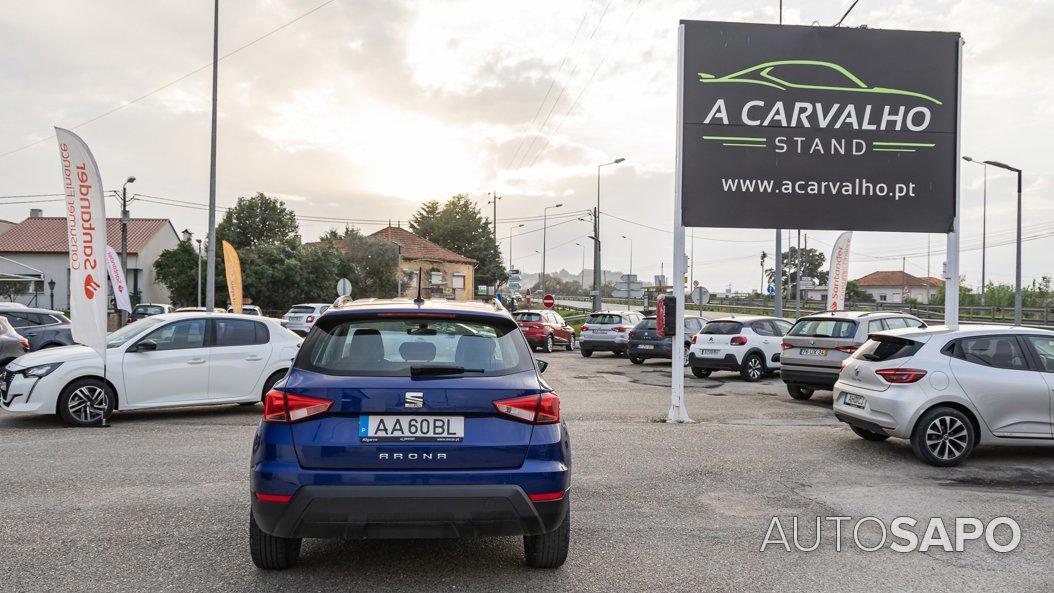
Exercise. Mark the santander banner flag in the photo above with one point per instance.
(838, 278)
(86, 231)
(116, 274)
(233, 267)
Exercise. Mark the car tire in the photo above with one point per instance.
(943, 437)
(687, 361)
(572, 344)
(799, 393)
(700, 372)
(586, 353)
(549, 550)
(271, 552)
(269, 383)
(636, 360)
(753, 368)
(867, 435)
(80, 401)
(547, 345)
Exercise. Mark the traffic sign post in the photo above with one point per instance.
(344, 287)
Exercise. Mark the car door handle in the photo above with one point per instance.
(254, 358)
(196, 361)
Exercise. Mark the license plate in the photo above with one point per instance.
(646, 347)
(709, 352)
(812, 352)
(600, 331)
(295, 318)
(411, 428)
(854, 400)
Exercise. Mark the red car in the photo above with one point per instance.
(545, 330)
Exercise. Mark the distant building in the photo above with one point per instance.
(447, 274)
(898, 287)
(35, 252)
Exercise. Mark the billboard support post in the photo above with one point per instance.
(678, 411)
(951, 273)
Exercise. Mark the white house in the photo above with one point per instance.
(898, 287)
(35, 252)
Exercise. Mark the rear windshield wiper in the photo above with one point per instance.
(421, 371)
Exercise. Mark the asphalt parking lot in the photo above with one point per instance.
(159, 502)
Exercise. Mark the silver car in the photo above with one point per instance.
(607, 331)
(301, 318)
(813, 350)
(948, 391)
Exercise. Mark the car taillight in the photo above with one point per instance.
(130, 320)
(738, 341)
(543, 408)
(273, 497)
(785, 345)
(25, 344)
(901, 375)
(693, 338)
(280, 406)
(632, 334)
(847, 349)
(310, 319)
(585, 328)
(618, 329)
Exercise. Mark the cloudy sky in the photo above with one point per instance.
(361, 110)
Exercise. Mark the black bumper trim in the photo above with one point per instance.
(601, 346)
(857, 422)
(410, 512)
(728, 363)
(809, 378)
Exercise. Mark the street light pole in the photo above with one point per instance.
(597, 280)
(1017, 271)
(210, 272)
(630, 284)
(545, 214)
(582, 274)
(984, 224)
(124, 233)
(510, 243)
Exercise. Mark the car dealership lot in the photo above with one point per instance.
(159, 501)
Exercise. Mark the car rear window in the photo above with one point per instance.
(604, 319)
(397, 347)
(722, 328)
(527, 317)
(300, 310)
(647, 323)
(148, 310)
(882, 348)
(823, 328)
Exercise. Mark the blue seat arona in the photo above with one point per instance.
(411, 419)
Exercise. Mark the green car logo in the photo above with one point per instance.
(770, 74)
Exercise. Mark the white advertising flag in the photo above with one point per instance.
(86, 231)
(838, 277)
(116, 273)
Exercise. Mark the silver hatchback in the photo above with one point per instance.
(948, 391)
(607, 331)
(813, 350)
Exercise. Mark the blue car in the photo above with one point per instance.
(411, 419)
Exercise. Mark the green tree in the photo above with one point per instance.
(813, 261)
(853, 293)
(459, 226)
(258, 219)
(177, 270)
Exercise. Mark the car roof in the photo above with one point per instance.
(491, 307)
(966, 331)
(613, 312)
(312, 304)
(217, 314)
(34, 310)
(744, 318)
(854, 315)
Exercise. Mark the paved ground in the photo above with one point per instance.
(159, 502)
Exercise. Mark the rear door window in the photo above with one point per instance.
(235, 332)
(875, 326)
(604, 319)
(1044, 347)
(762, 328)
(824, 328)
(723, 328)
(404, 347)
(1001, 352)
(896, 323)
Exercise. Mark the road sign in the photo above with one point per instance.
(527, 297)
(660, 280)
(515, 285)
(771, 289)
(548, 300)
(700, 296)
(514, 272)
(344, 287)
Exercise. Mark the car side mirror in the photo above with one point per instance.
(146, 346)
(542, 365)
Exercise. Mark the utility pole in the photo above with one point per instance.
(597, 280)
(510, 243)
(1017, 270)
(210, 272)
(761, 291)
(778, 280)
(124, 235)
(199, 272)
(494, 200)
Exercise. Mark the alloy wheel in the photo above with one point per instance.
(754, 367)
(946, 437)
(87, 404)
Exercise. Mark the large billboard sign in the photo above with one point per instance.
(819, 127)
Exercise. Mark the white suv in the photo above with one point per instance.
(607, 331)
(301, 318)
(747, 344)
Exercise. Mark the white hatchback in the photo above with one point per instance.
(168, 360)
(301, 318)
(747, 344)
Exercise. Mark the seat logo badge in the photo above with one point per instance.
(414, 399)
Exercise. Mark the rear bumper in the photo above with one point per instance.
(650, 350)
(602, 345)
(728, 363)
(813, 379)
(369, 512)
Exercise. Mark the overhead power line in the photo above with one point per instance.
(174, 81)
